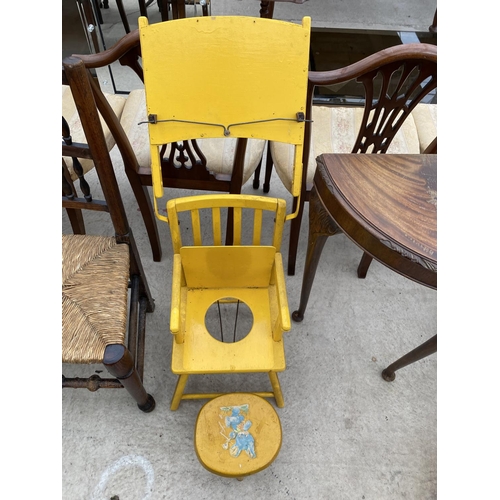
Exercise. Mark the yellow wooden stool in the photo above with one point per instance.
(237, 435)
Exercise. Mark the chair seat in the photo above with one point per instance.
(71, 115)
(218, 152)
(335, 130)
(200, 352)
(425, 117)
(95, 275)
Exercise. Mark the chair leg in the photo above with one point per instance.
(75, 217)
(120, 363)
(147, 211)
(179, 389)
(278, 395)
(269, 170)
(364, 265)
(123, 15)
(256, 175)
(294, 236)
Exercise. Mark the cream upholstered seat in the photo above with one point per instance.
(70, 113)
(219, 153)
(425, 117)
(335, 128)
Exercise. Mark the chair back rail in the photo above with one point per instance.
(214, 204)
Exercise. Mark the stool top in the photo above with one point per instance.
(237, 435)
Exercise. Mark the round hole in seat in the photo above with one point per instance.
(229, 320)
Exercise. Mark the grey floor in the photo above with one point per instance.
(347, 434)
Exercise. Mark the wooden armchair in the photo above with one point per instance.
(101, 321)
(388, 122)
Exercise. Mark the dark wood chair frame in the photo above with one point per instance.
(124, 363)
(408, 73)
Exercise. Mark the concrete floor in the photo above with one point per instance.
(347, 434)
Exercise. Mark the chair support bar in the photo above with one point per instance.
(153, 119)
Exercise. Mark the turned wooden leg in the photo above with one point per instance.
(321, 227)
(420, 352)
(120, 363)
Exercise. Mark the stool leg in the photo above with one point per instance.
(179, 389)
(278, 395)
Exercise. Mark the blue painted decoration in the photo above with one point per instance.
(239, 439)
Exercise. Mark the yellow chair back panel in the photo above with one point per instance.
(227, 266)
(225, 76)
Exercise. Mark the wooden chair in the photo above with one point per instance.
(406, 75)
(241, 274)
(98, 270)
(251, 90)
(111, 107)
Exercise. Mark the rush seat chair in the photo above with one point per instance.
(253, 73)
(102, 322)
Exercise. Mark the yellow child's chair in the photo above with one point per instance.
(212, 274)
(219, 77)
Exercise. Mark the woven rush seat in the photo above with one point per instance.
(95, 272)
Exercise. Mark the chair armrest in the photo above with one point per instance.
(175, 308)
(283, 311)
(129, 43)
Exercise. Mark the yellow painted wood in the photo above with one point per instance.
(227, 266)
(216, 202)
(225, 76)
(203, 275)
(216, 449)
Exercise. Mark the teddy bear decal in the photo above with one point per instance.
(239, 438)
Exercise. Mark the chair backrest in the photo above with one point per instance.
(228, 76)
(77, 77)
(408, 74)
(246, 208)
